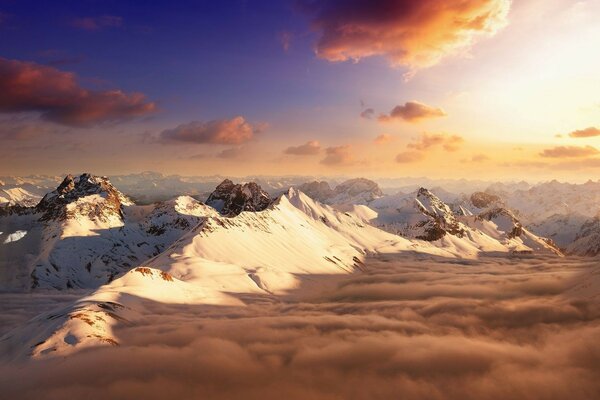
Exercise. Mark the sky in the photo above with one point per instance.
(480, 89)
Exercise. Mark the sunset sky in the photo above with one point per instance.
(488, 89)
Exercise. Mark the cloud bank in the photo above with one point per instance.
(569, 152)
(428, 329)
(585, 133)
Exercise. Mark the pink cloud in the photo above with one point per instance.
(30, 87)
(308, 149)
(338, 155)
(222, 131)
(569, 152)
(584, 133)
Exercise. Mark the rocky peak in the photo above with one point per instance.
(92, 196)
(354, 187)
(231, 199)
(439, 218)
(317, 190)
(504, 219)
(483, 199)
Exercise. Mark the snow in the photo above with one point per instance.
(15, 236)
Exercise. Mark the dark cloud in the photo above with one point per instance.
(492, 328)
(569, 152)
(369, 113)
(222, 131)
(414, 33)
(585, 133)
(30, 87)
(310, 148)
(338, 155)
(97, 23)
(412, 111)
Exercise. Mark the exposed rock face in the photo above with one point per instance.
(231, 199)
(587, 241)
(355, 187)
(320, 191)
(483, 199)
(89, 195)
(439, 219)
(504, 219)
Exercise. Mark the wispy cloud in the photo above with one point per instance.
(310, 148)
(222, 131)
(412, 111)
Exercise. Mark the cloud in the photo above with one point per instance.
(308, 149)
(409, 157)
(412, 33)
(97, 23)
(383, 138)
(585, 133)
(448, 142)
(426, 328)
(569, 151)
(221, 131)
(338, 155)
(30, 87)
(479, 158)
(413, 111)
(285, 38)
(369, 113)
(233, 152)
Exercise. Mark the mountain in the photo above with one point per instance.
(479, 224)
(85, 233)
(352, 191)
(218, 261)
(231, 199)
(587, 240)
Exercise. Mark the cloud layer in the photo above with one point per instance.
(413, 33)
(56, 95)
(428, 329)
(412, 111)
(222, 131)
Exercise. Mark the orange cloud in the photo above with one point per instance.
(26, 86)
(308, 149)
(338, 155)
(448, 142)
(383, 138)
(413, 33)
(413, 111)
(409, 157)
(234, 131)
(569, 152)
(584, 133)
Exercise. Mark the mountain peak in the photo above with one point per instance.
(231, 199)
(86, 194)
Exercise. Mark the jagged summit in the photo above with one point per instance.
(89, 195)
(230, 199)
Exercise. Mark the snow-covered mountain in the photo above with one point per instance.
(481, 224)
(587, 240)
(85, 233)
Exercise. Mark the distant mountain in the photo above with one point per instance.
(352, 191)
(587, 240)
